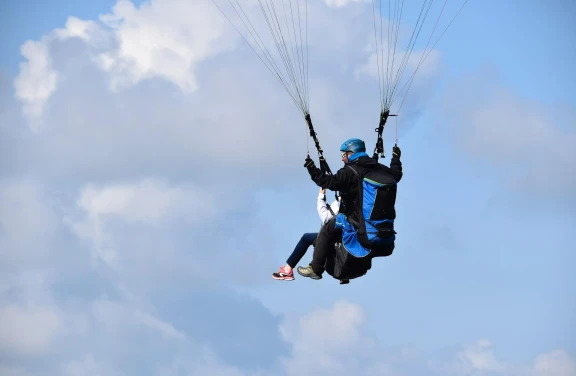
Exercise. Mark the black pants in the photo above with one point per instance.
(324, 247)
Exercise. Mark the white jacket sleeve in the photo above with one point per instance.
(323, 210)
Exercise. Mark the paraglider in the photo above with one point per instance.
(362, 235)
(364, 226)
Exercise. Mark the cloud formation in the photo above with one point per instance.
(146, 202)
(530, 144)
(37, 80)
(336, 341)
(164, 39)
(148, 133)
(161, 38)
(27, 330)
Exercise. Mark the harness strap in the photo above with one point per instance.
(359, 201)
(323, 163)
(379, 149)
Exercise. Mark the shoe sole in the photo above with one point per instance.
(282, 278)
(308, 276)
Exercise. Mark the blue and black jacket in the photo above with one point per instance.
(347, 181)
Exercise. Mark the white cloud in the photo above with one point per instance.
(37, 80)
(329, 341)
(475, 358)
(28, 330)
(330, 329)
(163, 328)
(120, 317)
(334, 341)
(27, 224)
(77, 28)
(31, 323)
(146, 202)
(165, 39)
(555, 363)
(161, 38)
(531, 144)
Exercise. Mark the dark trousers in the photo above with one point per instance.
(325, 245)
(300, 250)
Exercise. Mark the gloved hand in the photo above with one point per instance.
(309, 163)
(396, 151)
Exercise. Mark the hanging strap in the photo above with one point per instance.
(323, 164)
(329, 208)
(379, 149)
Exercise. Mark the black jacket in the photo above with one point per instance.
(345, 180)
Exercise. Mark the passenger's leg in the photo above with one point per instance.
(286, 273)
(300, 250)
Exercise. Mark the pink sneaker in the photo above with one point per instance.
(284, 275)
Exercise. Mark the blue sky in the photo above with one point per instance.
(151, 180)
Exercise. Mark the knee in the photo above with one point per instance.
(308, 237)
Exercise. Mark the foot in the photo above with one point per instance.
(283, 274)
(344, 281)
(308, 272)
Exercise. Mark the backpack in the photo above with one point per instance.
(368, 231)
(343, 265)
(375, 213)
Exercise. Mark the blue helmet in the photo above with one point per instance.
(355, 145)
